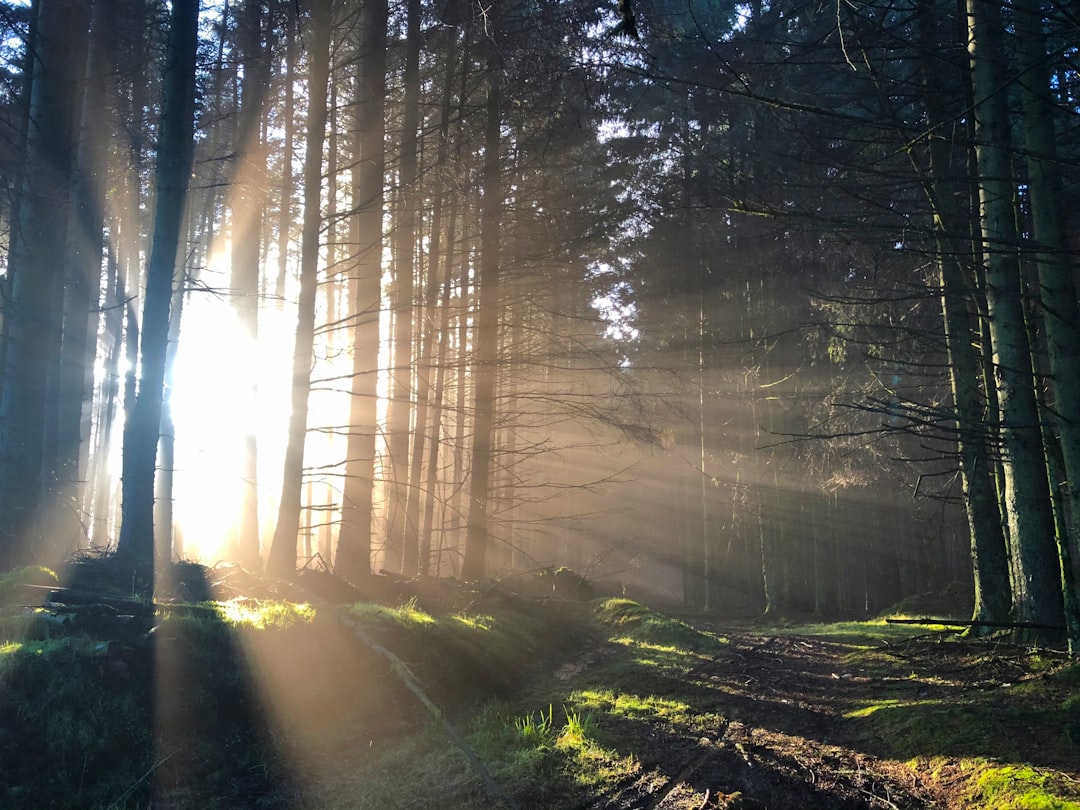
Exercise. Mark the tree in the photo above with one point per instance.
(33, 319)
(282, 559)
(174, 158)
(1036, 577)
(355, 541)
(487, 318)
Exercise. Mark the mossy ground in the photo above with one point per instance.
(243, 695)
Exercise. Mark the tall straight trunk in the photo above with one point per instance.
(354, 539)
(1036, 583)
(165, 535)
(101, 479)
(82, 282)
(987, 541)
(401, 550)
(486, 340)
(461, 397)
(173, 171)
(282, 559)
(286, 190)
(431, 324)
(33, 316)
(1057, 289)
(22, 128)
(247, 201)
(438, 394)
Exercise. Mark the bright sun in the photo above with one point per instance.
(214, 409)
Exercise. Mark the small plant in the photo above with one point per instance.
(577, 728)
(535, 729)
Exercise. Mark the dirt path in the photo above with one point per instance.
(787, 739)
(781, 743)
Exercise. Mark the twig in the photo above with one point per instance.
(142, 778)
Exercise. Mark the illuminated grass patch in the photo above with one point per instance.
(631, 706)
(264, 615)
(1020, 787)
(408, 614)
(632, 620)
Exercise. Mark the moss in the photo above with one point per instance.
(637, 622)
(1019, 787)
(12, 583)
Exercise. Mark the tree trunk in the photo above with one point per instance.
(401, 549)
(486, 341)
(33, 316)
(988, 552)
(1057, 290)
(355, 539)
(248, 199)
(1036, 577)
(282, 559)
(173, 171)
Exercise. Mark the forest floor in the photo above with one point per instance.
(242, 695)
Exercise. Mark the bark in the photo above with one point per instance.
(1036, 570)
(82, 281)
(172, 172)
(402, 548)
(282, 559)
(355, 538)
(486, 341)
(33, 315)
(288, 114)
(988, 551)
(1057, 290)
(433, 328)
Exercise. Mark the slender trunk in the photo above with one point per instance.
(1057, 290)
(988, 552)
(282, 559)
(477, 537)
(173, 171)
(1037, 594)
(355, 539)
(401, 549)
(82, 281)
(288, 114)
(247, 203)
(34, 318)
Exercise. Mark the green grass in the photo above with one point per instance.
(1020, 787)
(262, 615)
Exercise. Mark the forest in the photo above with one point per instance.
(765, 310)
(758, 307)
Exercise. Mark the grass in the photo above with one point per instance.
(1020, 787)
(984, 735)
(547, 742)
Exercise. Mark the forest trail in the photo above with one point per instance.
(258, 699)
(796, 725)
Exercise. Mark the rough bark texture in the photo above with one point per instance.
(988, 552)
(1036, 572)
(1057, 290)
